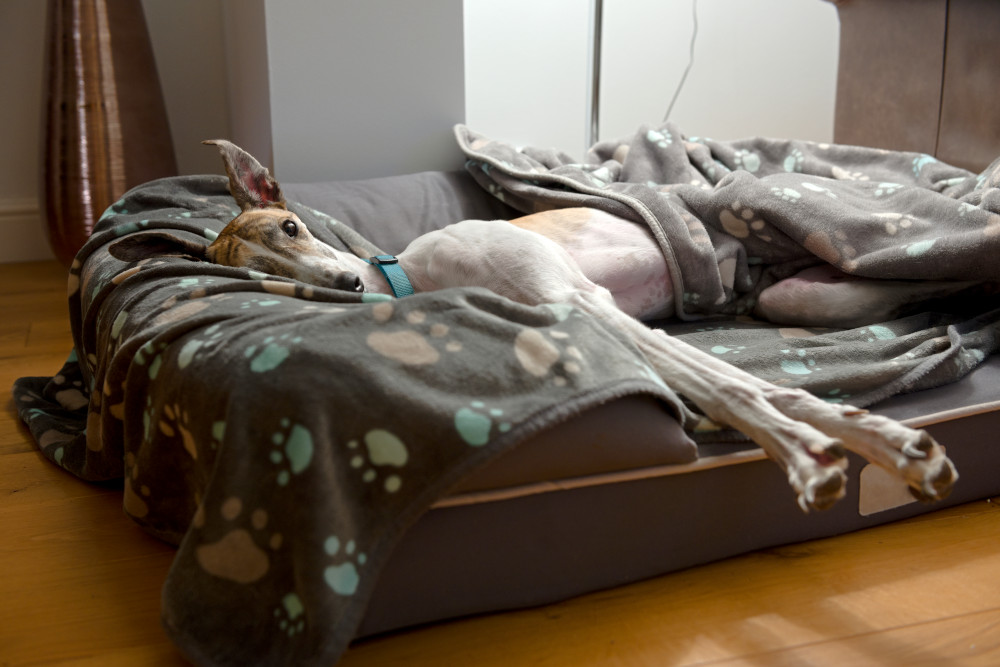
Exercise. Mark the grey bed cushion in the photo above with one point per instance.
(618, 494)
(392, 211)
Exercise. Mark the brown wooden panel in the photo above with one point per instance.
(970, 105)
(890, 73)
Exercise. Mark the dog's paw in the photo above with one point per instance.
(927, 470)
(818, 476)
(823, 487)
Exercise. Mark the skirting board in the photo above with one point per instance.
(22, 232)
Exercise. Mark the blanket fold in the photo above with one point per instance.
(733, 217)
(284, 435)
(763, 203)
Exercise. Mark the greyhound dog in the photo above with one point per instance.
(605, 266)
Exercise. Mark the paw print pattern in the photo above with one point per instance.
(793, 161)
(842, 174)
(696, 229)
(798, 363)
(126, 228)
(893, 222)
(343, 578)
(966, 360)
(709, 168)
(135, 493)
(272, 353)
(237, 556)
(383, 451)
(149, 355)
(172, 311)
(71, 395)
(742, 221)
(691, 298)
(835, 396)
(600, 177)
(832, 248)
(289, 615)
(190, 350)
(475, 423)
(706, 329)
(819, 189)
(723, 349)
(787, 194)
(174, 421)
(879, 332)
(259, 302)
(539, 356)
(417, 346)
(148, 416)
(920, 162)
(117, 208)
(195, 281)
(218, 433)
(496, 191)
(293, 450)
(886, 189)
(747, 160)
(659, 138)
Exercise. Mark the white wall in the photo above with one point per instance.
(22, 53)
(766, 67)
(189, 45)
(247, 78)
(344, 71)
(761, 68)
(526, 71)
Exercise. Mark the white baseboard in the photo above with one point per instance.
(22, 232)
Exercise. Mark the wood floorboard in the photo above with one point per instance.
(81, 583)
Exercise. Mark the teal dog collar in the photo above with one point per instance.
(393, 272)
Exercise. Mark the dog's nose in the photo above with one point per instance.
(350, 282)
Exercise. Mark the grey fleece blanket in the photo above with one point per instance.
(284, 435)
(734, 217)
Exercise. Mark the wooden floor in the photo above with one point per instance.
(79, 583)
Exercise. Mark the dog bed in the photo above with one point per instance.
(335, 465)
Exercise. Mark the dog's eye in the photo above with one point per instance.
(290, 228)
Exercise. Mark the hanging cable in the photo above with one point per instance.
(694, 37)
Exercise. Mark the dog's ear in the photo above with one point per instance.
(250, 182)
(144, 245)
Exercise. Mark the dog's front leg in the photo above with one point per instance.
(813, 460)
(911, 455)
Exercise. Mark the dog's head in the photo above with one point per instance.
(265, 236)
